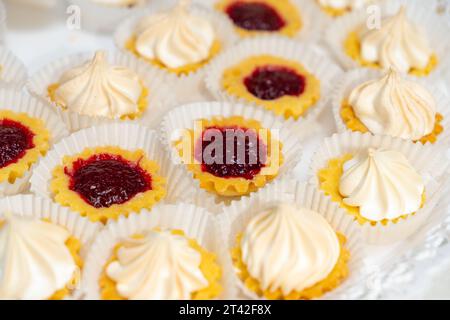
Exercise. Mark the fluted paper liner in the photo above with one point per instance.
(236, 217)
(196, 223)
(40, 208)
(160, 98)
(308, 55)
(184, 117)
(17, 101)
(190, 87)
(126, 136)
(418, 11)
(430, 162)
(12, 70)
(104, 18)
(354, 78)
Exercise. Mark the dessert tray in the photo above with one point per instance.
(38, 35)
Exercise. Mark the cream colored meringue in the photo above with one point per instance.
(99, 89)
(394, 106)
(382, 183)
(159, 266)
(289, 248)
(34, 260)
(398, 43)
(175, 38)
(343, 4)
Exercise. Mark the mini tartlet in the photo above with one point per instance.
(280, 75)
(27, 131)
(99, 173)
(95, 88)
(410, 38)
(252, 17)
(149, 257)
(178, 38)
(289, 242)
(204, 135)
(388, 185)
(42, 249)
(12, 70)
(389, 103)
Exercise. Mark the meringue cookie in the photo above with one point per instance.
(99, 89)
(34, 259)
(289, 248)
(394, 106)
(159, 266)
(382, 183)
(175, 38)
(343, 4)
(398, 43)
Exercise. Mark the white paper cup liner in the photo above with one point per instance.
(418, 11)
(40, 208)
(196, 223)
(430, 162)
(103, 18)
(126, 136)
(353, 78)
(308, 55)
(238, 214)
(184, 117)
(312, 23)
(190, 87)
(13, 71)
(17, 101)
(160, 98)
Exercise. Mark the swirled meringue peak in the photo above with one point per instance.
(159, 266)
(398, 43)
(289, 248)
(175, 38)
(392, 105)
(99, 89)
(34, 259)
(382, 183)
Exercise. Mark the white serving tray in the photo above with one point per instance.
(416, 268)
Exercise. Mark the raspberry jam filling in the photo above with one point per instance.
(255, 16)
(104, 180)
(240, 153)
(15, 140)
(273, 82)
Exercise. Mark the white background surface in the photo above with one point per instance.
(38, 37)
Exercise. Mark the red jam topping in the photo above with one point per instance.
(273, 82)
(15, 140)
(104, 180)
(240, 153)
(257, 16)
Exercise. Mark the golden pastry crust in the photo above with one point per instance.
(329, 178)
(334, 12)
(215, 49)
(59, 186)
(41, 141)
(208, 265)
(287, 106)
(231, 187)
(352, 48)
(332, 281)
(284, 8)
(142, 103)
(353, 123)
(74, 246)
